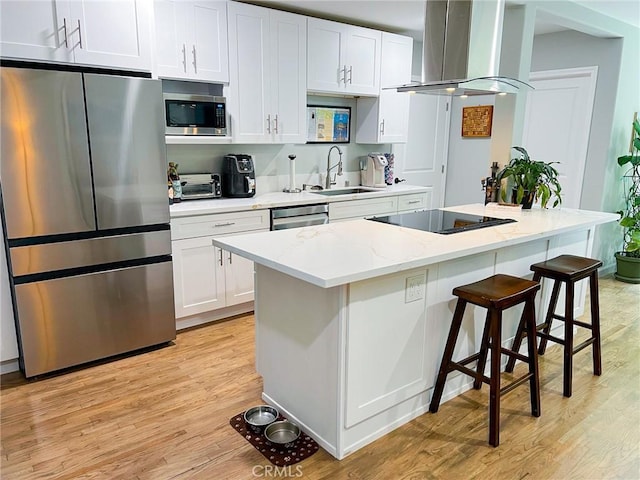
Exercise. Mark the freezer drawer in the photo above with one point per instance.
(49, 257)
(73, 320)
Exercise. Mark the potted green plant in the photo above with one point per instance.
(532, 180)
(628, 260)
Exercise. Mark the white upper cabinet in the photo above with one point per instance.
(267, 75)
(101, 33)
(343, 58)
(191, 40)
(385, 119)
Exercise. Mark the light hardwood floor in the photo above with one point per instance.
(164, 415)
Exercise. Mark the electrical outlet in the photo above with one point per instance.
(415, 287)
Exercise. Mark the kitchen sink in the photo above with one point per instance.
(346, 191)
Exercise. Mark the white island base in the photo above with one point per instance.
(349, 363)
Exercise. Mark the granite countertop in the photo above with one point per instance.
(343, 252)
(280, 199)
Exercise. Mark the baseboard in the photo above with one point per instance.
(213, 316)
(9, 366)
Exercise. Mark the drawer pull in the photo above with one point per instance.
(414, 201)
(226, 224)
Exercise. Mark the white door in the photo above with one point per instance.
(423, 159)
(557, 124)
(35, 30)
(198, 276)
(397, 54)
(208, 52)
(249, 66)
(362, 61)
(114, 34)
(238, 279)
(326, 44)
(288, 54)
(171, 44)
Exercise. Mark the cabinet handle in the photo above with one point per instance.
(79, 33)
(226, 224)
(220, 259)
(230, 258)
(351, 74)
(269, 123)
(195, 65)
(275, 124)
(382, 127)
(64, 26)
(184, 57)
(414, 201)
(343, 78)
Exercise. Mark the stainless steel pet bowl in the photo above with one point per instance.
(257, 418)
(282, 432)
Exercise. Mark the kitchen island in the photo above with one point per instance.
(351, 318)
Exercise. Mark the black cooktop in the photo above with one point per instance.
(442, 221)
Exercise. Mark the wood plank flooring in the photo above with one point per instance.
(164, 414)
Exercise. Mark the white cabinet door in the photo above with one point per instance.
(111, 33)
(209, 49)
(362, 61)
(326, 42)
(385, 119)
(288, 57)
(267, 82)
(198, 276)
(343, 58)
(191, 40)
(35, 30)
(171, 41)
(249, 73)
(238, 279)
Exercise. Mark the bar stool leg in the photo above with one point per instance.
(494, 385)
(448, 354)
(595, 323)
(484, 348)
(553, 302)
(568, 339)
(534, 382)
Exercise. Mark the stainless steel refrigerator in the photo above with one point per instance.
(85, 215)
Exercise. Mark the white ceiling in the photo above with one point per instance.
(407, 16)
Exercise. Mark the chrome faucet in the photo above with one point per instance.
(328, 181)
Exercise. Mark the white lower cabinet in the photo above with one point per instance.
(205, 277)
(375, 207)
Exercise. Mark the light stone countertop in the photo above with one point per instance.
(280, 199)
(344, 252)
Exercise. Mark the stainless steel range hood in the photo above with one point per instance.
(461, 50)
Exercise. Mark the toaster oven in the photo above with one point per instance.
(200, 185)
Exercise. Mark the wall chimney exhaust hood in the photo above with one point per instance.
(461, 50)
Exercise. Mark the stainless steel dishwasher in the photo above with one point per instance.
(299, 216)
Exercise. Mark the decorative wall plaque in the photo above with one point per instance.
(476, 121)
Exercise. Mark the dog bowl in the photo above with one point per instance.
(282, 432)
(257, 418)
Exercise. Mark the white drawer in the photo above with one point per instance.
(219, 224)
(412, 203)
(363, 208)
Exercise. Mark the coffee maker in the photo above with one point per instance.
(238, 176)
(372, 170)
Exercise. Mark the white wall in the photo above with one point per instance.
(467, 163)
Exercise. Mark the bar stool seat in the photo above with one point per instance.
(496, 293)
(567, 269)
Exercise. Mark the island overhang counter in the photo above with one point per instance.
(352, 317)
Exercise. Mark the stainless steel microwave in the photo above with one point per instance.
(188, 114)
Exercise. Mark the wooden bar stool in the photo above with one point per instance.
(496, 294)
(567, 269)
